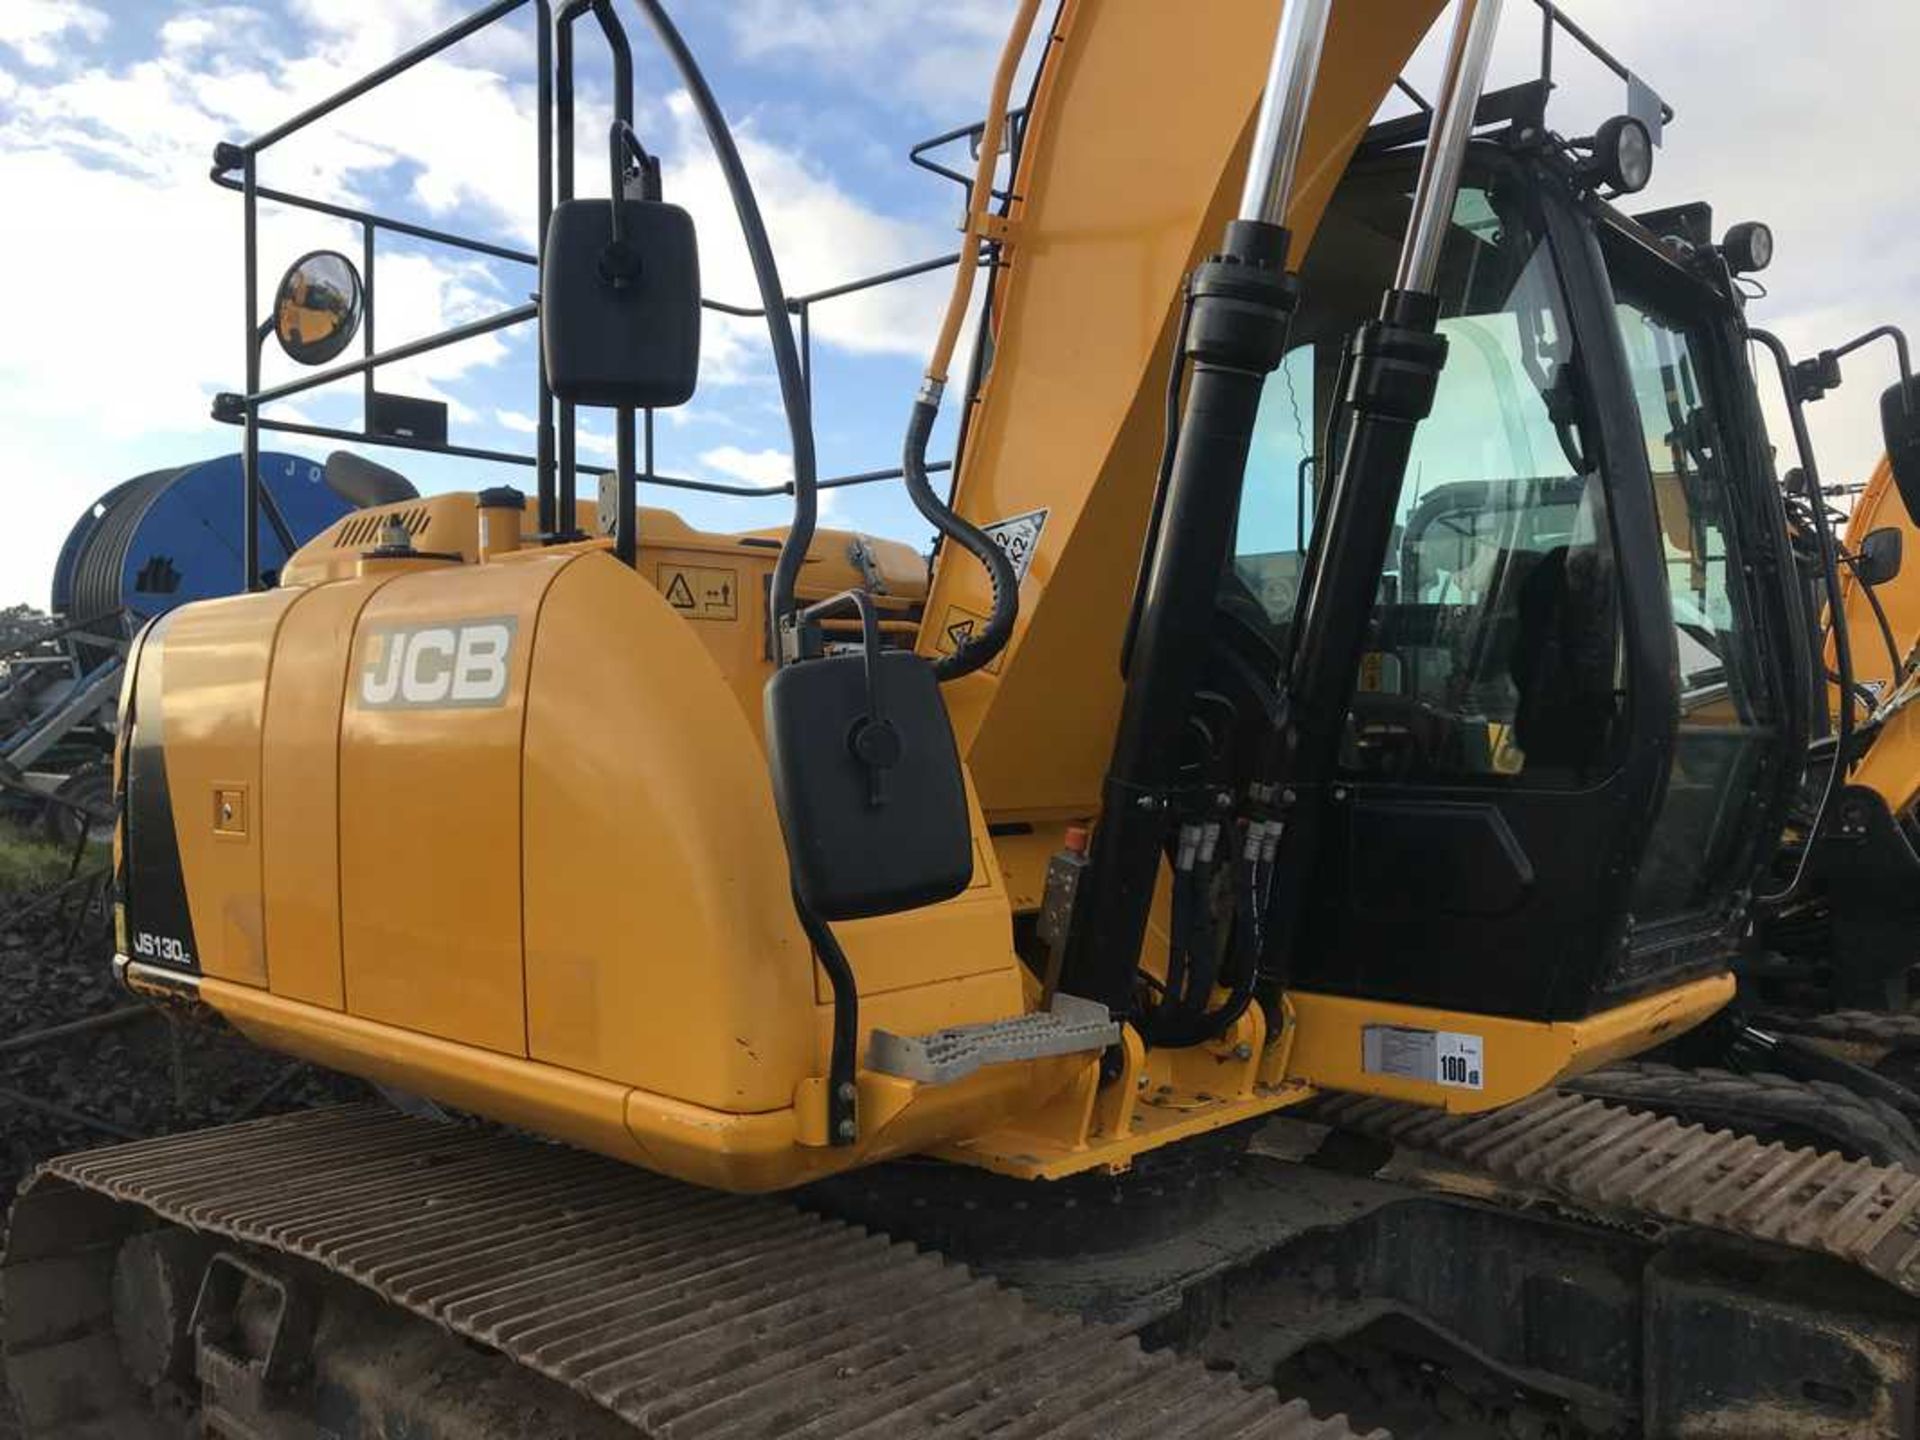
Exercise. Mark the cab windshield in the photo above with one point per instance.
(1494, 644)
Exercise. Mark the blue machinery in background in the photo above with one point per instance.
(150, 543)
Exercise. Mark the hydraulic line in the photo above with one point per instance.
(981, 648)
(773, 301)
(842, 1093)
(1894, 657)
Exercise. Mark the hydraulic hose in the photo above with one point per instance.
(843, 1126)
(773, 300)
(981, 648)
(1872, 594)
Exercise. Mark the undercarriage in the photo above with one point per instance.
(1563, 1267)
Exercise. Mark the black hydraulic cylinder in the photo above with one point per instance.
(1393, 375)
(1243, 299)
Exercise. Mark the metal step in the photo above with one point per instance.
(1072, 1025)
(688, 1313)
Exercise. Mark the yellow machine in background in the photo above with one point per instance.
(1886, 636)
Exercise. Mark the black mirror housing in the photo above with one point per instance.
(1879, 557)
(1900, 424)
(858, 848)
(620, 319)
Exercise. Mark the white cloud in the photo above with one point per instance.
(749, 467)
(515, 421)
(34, 29)
(939, 58)
(1833, 179)
(131, 323)
(760, 467)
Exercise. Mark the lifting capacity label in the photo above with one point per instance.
(1440, 1057)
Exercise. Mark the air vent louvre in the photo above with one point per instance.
(357, 532)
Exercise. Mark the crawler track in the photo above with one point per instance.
(685, 1312)
(1643, 1166)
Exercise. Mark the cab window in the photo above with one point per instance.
(1494, 652)
(1724, 716)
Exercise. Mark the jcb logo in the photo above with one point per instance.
(438, 666)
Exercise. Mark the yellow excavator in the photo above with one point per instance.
(1358, 686)
(1834, 961)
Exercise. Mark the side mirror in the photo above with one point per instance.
(867, 780)
(620, 303)
(1900, 424)
(1879, 557)
(317, 309)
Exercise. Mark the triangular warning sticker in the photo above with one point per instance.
(960, 632)
(679, 593)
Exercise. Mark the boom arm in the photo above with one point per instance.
(1134, 153)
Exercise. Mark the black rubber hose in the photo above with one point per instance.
(1197, 1025)
(1872, 593)
(979, 649)
(773, 299)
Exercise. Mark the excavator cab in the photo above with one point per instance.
(1572, 727)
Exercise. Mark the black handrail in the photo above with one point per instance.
(1551, 15)
(555, 458)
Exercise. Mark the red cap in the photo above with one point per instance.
(1076, 839)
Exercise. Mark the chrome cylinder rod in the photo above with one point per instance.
(1474, 26)
(1283, 110)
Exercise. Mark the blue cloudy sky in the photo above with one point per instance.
(109, 111)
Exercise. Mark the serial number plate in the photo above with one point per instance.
(1440, 1057)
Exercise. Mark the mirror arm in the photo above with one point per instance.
(1899, 339)
(624, 145)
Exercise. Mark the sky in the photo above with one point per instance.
(1798, 115)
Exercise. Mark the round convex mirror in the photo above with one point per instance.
(317, 310)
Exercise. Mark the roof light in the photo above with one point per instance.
(1748, 247)
(1622, 156)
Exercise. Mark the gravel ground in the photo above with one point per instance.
(144, 1073)
(149, 1074)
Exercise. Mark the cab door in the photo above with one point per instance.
(1523, 703)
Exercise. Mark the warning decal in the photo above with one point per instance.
(700, 592)
(959, 625)
(1019, 536)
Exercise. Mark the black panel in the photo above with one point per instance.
(153, 889)
(1458, 900)
(1414, 862)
